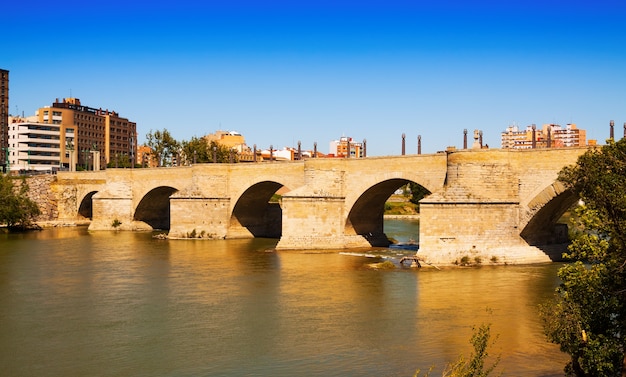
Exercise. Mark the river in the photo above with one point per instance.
(79, 303)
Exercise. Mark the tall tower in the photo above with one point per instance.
(4, 118)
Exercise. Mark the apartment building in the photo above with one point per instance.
(4, 118)
(569, 136)
(86, 129)
(33, 145)
(548, 136)
(231, 139)
(345, 147)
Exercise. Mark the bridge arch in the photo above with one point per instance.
(254, 215)
(85, 209)
(365, 217)
(543, 212)
(154, 207)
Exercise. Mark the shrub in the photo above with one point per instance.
(475, 365)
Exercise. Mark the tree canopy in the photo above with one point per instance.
(169, 151)
(199, 150)
(587, 317)
(163, 145)
(16, 209)
(418, 192)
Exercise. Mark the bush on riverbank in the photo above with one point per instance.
(17, 211)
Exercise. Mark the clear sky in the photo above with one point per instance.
(281, 72)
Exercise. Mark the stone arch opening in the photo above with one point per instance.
(86, 206)
(366, 217)
(255, 214)
(154, 208)
(543, 229)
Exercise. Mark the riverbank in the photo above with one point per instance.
(62, 224)
(402, 217)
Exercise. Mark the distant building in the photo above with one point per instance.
(33, 145)
(569, 136)
(284, 154)
(514, 138)
(4, 118)
(91, 129)
(144, 157)
(548, 136)
(345, 147)
(230, 139)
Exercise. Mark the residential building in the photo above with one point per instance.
(33, 145)
(345, 147)
(144, 157)
(548, 136)
(4, 118)
(514, 138)
(230, 139)
(99, 130)
(569, 136)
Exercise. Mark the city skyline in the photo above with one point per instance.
(282, 72)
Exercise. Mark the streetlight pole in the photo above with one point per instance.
(8, 163)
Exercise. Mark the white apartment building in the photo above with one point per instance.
(549, 135)
(514, 138)
(35, 146)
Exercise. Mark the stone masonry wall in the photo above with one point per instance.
(40, 191)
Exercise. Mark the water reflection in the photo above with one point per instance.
(80, 303)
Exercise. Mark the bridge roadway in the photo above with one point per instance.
(499, 206)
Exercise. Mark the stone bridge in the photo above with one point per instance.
(497, 205)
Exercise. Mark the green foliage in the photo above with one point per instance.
(223, 153)
(116, 223)
(587, 316)
(199, 150)
(418, 192)
(17, 211)
(474, 366)
(163, 145)
(119, 160)
(196, 150)
(400, 208)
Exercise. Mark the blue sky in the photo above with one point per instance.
(281, 72)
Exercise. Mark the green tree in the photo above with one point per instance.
(587, 316)
(119, 160)
(196, 150)
(17, 211)
(417, 193)
(222, 152)
(201, 151)
(163, 145)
